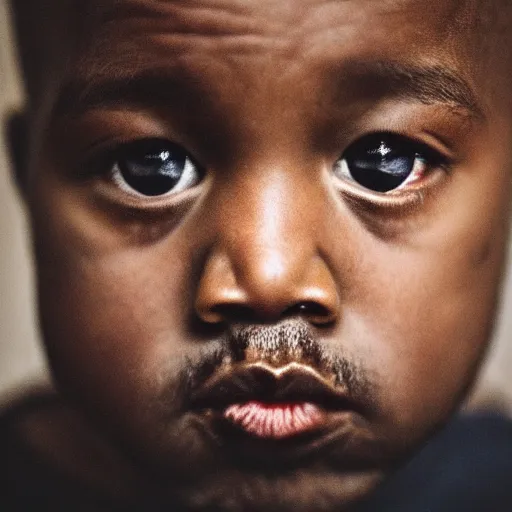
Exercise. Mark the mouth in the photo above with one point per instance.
(269, 403)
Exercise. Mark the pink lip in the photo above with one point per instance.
(275, 420)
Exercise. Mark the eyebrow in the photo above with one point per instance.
(427, 84)
(147, 87)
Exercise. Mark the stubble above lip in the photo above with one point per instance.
(277, 383)
(291, 383)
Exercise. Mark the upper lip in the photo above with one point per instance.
(292, 383)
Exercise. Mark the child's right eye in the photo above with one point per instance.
(153, 168)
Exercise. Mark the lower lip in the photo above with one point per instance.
(275, 421)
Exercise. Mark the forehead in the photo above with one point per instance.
(140, 33)
(222, 50)
(286, 28)
(234, 41)
(232, 14)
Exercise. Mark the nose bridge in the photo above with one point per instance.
(266, 230)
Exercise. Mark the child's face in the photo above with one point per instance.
(337, 171)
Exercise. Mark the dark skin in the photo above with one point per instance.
(267, 104)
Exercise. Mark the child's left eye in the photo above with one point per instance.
(383, 162)
(153, 168)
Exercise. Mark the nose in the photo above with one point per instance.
(266, 263)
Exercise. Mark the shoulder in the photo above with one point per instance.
(42, 463)
(467, 466)
(25, 474)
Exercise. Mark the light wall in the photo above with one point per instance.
(21, 358)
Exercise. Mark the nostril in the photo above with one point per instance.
(312, 311)
(233, 313)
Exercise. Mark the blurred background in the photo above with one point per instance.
(21, 357)
(22, 363)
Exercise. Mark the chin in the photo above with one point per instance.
(301, 490)
(205, 464)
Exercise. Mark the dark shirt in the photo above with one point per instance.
(30, 483)
(466, 468)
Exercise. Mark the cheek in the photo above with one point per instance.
(427, 304)
(113, 318)
(432, 333)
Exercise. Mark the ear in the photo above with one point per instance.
(16, 132)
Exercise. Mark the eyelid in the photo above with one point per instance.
(404, 199)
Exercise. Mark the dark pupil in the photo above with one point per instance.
(380, 166)
(152, 171)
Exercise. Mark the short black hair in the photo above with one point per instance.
(37, 27)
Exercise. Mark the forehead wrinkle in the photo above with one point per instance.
(187, 18)
(229, 18)
(139, 35)
(181, 29)
(233, 27)
(244, 23)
